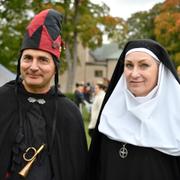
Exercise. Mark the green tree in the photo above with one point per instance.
(13, 19)
(115, 29)
(141, 24)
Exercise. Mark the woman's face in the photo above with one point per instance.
(141, 73)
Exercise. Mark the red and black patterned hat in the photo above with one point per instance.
(43, 32)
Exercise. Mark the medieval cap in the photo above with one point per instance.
(43, 32)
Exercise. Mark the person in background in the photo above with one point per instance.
(106, 83)
(96, 105)
(88, 91)
(42, 134)
(137, 134)
(79, 95)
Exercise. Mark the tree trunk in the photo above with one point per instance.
(68, 84)
(71, 72)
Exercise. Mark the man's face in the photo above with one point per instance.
(37, 69)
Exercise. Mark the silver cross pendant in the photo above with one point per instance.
(123, 152)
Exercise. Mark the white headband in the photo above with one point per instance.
(143, 50)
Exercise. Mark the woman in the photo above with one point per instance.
(137, 135)
(96, 106)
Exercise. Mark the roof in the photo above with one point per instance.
(106, 52)
(5, 75)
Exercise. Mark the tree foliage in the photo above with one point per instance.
(167, 28)
(13, 19)
(141, 24)
(115, 29)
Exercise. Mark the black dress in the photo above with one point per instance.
(140, 164)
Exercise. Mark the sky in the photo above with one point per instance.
(124, 8)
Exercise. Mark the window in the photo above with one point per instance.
(98, 73)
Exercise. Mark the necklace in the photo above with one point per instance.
(123, 152)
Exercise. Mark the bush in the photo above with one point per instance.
(70, 96)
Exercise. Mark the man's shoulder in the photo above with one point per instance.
(64, 99)
(7, 88)
(7, 96)
(67, 103)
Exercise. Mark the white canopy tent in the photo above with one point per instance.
(5, 75)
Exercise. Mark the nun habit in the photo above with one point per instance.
(137, 138)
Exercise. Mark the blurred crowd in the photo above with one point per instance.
(90, 96)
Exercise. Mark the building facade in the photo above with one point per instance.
(94, 66)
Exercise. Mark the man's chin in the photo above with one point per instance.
(32, 83)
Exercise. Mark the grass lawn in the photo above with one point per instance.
(87, 135)
(86, 117)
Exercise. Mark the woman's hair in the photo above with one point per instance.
(101, 86)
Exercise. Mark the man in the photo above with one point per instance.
(42, 134)
(79, 94)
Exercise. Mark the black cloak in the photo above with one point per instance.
(69, 153)
(143, 163)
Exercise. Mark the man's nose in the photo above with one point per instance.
(34, 65)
